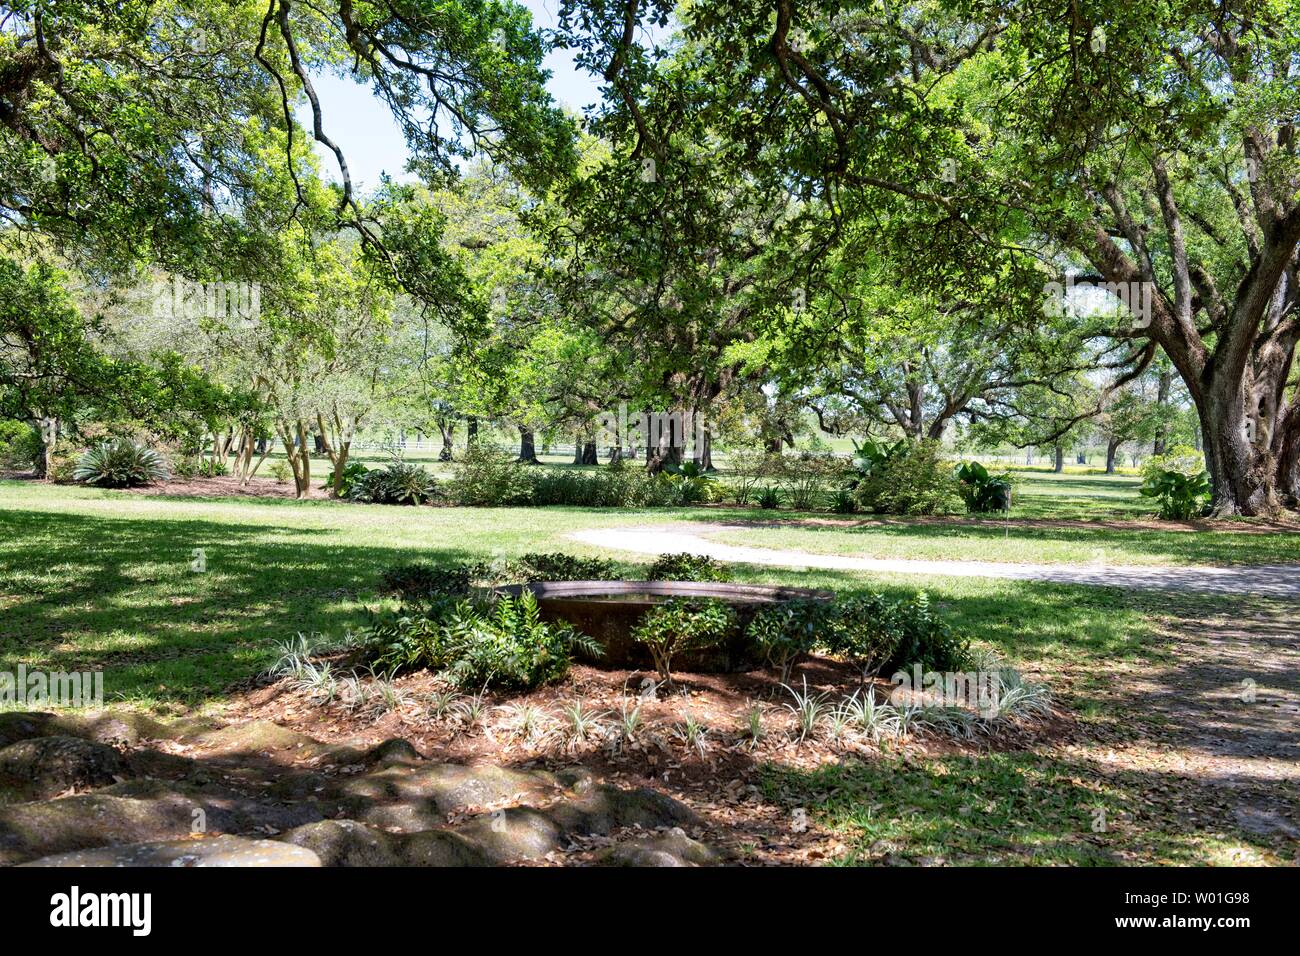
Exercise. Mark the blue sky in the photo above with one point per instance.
(371, 141)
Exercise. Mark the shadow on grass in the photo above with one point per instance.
(1023, 808)
(1026, 808)
(81, 592)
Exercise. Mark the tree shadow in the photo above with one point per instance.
(124, 595)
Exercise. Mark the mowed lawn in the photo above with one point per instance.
(103, 579)
(94, 579)
(1071, 518)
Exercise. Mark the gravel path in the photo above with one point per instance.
(1276, 580)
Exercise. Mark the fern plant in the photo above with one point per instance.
(502, 644)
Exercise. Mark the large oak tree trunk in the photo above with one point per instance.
(1242, 469)
(704, 453)
(447, 429)
(527, 446)
(1111, 447)
(1165, 383)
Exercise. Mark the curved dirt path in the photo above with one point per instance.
(1267, 580)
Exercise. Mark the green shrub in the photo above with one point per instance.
(913, 481)
(487, 476)
(872, 632)
(412, 638)
(688, 484)
(1180, 496)
(20, 445)
(557, 566)
(806, 478)
(787, 631)
(504, 643)
(280, 472)
(865, 629)
(423, 579)
(926, 639)
(354, 472)
(510, 646)
(683, 625)
(62, 468)
(120, 464)
(399, 483)
(769, 498)
(869, 456)
(188, 466)
(613, 487)
(748, 466)
(983, 492)
(843, 502)
(687, 567)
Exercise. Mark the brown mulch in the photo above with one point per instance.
(721, 783)
(224, 486)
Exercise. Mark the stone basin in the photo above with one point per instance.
(609, 610)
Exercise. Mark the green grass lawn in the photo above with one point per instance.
(102, 579)
(93, 579)
(1097, 505)
(1020, 808)
(974, 540)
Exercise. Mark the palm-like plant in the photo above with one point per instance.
(120, 464)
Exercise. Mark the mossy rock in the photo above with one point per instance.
(39, 768)
(218, 851)
(411, 798)
(605, 809)
(255, 737)
(670, 848)
(516, 833)
(32, 830)
(352, 843)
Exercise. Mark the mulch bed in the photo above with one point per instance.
(721, 782)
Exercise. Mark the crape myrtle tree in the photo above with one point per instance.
(1149, 144)
(62, 367)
